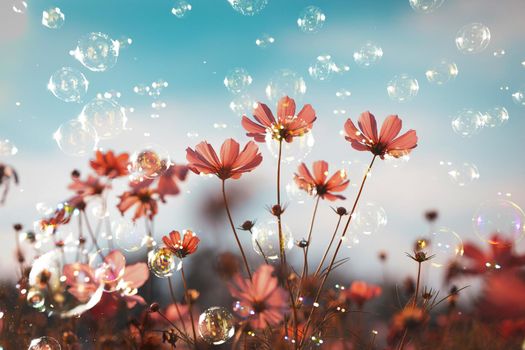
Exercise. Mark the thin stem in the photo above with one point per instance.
(234, 230)
(329, 246)
(174, 299)
(92, 235)
(309, 240)
(279, 223)
(417, 284)
(402, 342)
(188, 300)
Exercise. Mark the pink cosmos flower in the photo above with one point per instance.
(388, 142)
(360, 292)
(323, 188)
(260, 299)
(285, 127)
(232, 163)
(142, 197)
(167, 184)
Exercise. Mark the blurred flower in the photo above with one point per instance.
(181, 247)
(409, 319)
(232, 163)
(90, 187)
(110, 165)
(227, 265)
(361, 292)
(286, 127)
(61, 216)
(318, 183)
(7, 174)
(167, 184)
(388, 142)
(262, 296)
(140, 196)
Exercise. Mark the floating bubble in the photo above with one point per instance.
(425, 6)
(467, 122)
(351, 240)
(463, 174)
(445, 245)
(128, 236)
(125, 42)
(248, 7)
(162, 262)
(243, 104)
(311, 19)
(76, 138)
(264, 41)
(106, 115)
(237, 80)
(7, 148)
(322, 68)
(97, 51)
(44, 343)
(108, 268)
(519, 96)
(149, 162)
(473, 38)
(157, 87)
(19, 6)
(340, 68)
(216, 325)
(181, 8)
(402, 88)
(495, 117)
(68, 84)
(296, 194)
(35, 298)
(285, 82)
(343, 94)
(141, 89)
(368, 219)
(499, 217)
(220, 125)
(368, 55)
(294, 151)
(265, 239)
(499, 53)
(158, 105)
(53, 18)
(442, 73)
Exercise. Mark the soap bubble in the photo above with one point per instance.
(7, 148)
(264, 40)
(368, 55)
(181, 8)
(68, 84)
(53, 18)
(425, 6)
(216, 325)
(499, 217)
(44, 343)
(368, 219)
(106, 116)
(445, 245)
(248, 7)
(35, 298)
(265, 237)
(311, 19)
(237, 80)
(343, 94)
(322, 68)
(285, 82)
(149, 162)
(162, 262)
(402, 88)
(463, 174)
(519, 96)
(495, 117)
(109, 267)
(19, 6)
(243, 104)
(442, 73)
(157, 87)
(97, 51)
(294, 151)
(467, 122)
(296, 194)
(473, 38)
(76, 138)
(125, 42)
(128, 236)
(141, 89)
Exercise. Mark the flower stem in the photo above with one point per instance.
(417, 284)
(189, 301)
(305, 267)
(329, 246)
(234, 230)
(279, 223)
(174, 299)
(260, 248)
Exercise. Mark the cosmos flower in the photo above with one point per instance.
(167, 184)
(181, 247)
(265, 301)
(285, 127)
(141, 196)
(61, 216)
(109, 164)
(361, 292)
(388, 142)
(232, 163)
(92, 186)
(318, 183)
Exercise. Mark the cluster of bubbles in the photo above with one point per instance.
(248, 7)
(265, 239)
(469, 122)
(285, 82)
(181, 8)
(106, 115)
(441, 73)
(500, 217)
(425, 6)
(44, 343)
(216, 325)
(402, 88)
(53, 18)
(162, 262)
(97, 51)
(292, 152)
(445, 245)
(264, 40)
(68, 84)
(368, 55)
(149, 162)
(7, 148)
(311, 19)
(462, 174)
(237, 80)
(76, 138)
(473, 38)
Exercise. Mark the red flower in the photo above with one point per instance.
(360, 292)
(167, 184)
(323, 188)
(181, 247)
(61, 216)
(140, 196)
(366, 139)
(90, 187)
(110, 165)
(232, 164)
(286, 127)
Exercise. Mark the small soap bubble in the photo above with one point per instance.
(53, 18)
(425, 6)
(445, 245)
(473, 38)
(496, 116)
(97, 51)
(311, 19)
(368, 55)
(76, 138)
(264, 40)
(285, 82)
(467, 122)
(243, 104)
(162, 262)
(181, 8)
(68, 84)
(237, 80)
(7, 148)
(106, 115)
(442, 72)
(44, 343)
(343, 94)
(248, 7)
(402, 88)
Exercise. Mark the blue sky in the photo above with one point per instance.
(175, 50)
